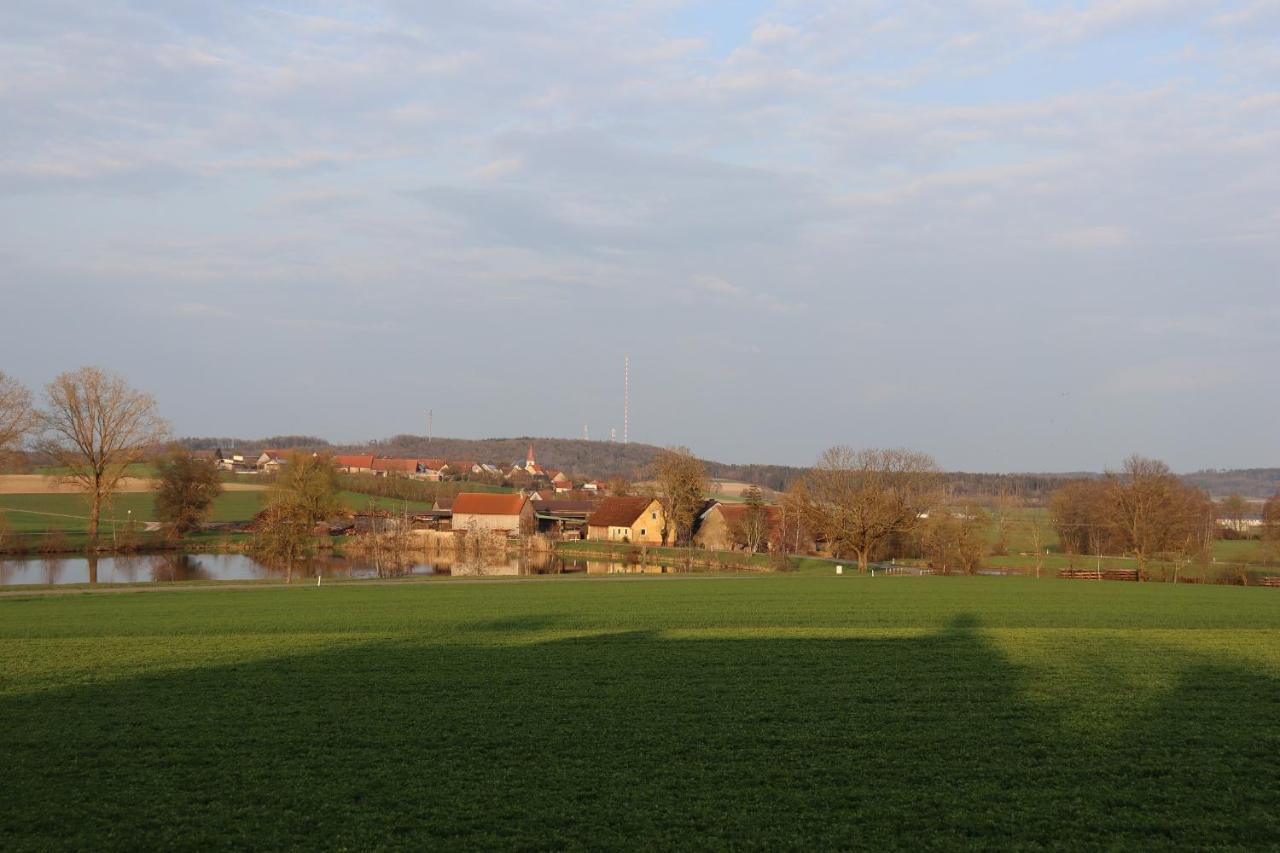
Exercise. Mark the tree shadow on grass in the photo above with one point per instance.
(632, 740)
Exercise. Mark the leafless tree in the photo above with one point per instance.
(955, 537)
(682, 486)
(17, 418)
(96, 426)
(1154, 511)
(751, 530)
(1233, 509)
(1271, 526)
(859, 499)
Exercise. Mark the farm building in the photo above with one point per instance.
(354, 464)
(637, 520)
(271, 460)
(718, 526)
(483, 512)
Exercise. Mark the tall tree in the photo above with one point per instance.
(860, 499)
(186, 488)
(307, 487)
(96, 426)
(16, 415)
(1082, 515)
(305, 493)
(1154, 512)
(681, 481)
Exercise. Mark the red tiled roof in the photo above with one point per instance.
(408, 466)
(485, 503)
(353, 461)
(737, 513)
(619, 512)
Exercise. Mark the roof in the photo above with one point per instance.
(567, 507)
(275, 454)
(409, 466)
(619, 512)
(486, 503)
(736, 513)
(353, 461)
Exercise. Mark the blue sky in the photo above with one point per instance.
(1016, 235)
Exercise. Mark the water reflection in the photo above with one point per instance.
(170, 568)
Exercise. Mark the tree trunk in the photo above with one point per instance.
(92, 560)
(863, 561)
(95, 510)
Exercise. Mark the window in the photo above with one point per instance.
(654, 515)
(642, 531)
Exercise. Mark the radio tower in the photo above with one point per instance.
(626, 396)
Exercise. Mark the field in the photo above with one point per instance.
(67, 512)
(702, 711)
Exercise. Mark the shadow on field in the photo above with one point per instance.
(634, 740)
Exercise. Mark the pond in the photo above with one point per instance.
(168, 568)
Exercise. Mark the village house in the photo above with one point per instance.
(354, 464)
(482, 512)
(719, 524)
(418, 469)
(636, 520)
(271, 460)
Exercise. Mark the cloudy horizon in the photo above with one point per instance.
(1020, 236)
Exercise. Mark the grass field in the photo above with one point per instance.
(66, 512)
(770, 711)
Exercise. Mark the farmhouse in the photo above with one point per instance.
(354, 464)
(483, 512)
(718, 526)
(637, 520)
(418, 469)
(271, 460)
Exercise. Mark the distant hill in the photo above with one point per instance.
(1249, 482)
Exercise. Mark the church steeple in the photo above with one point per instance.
(528, 460)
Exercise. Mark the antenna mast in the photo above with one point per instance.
(626, 396)
(431, 417)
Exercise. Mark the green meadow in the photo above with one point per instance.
(67, 512)
(770, 711)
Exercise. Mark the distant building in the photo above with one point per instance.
(354, 464)
(271, 460)
(636, 520)
(484, 512)
(718, 524)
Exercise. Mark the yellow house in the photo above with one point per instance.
(636, 520)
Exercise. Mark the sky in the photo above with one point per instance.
(1015, 234)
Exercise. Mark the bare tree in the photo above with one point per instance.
(186, 488)
(1153, 510)
(96, 426)
(955, 537)
(860, 499)
(1271, 526)
(1234, 508)
(751, 530)
(305, 493)
(17, 418)
(682, 486)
